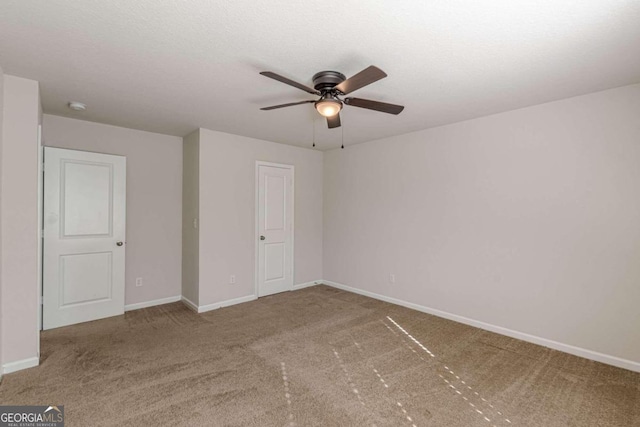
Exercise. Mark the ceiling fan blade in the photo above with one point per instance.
(365, 77)
(333, 121)
(374, 105)
(273, 107)
(289, 82)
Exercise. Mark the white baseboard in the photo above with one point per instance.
(155, 302)
(19, 365)
(306, 285)
(566, 348)
(209, 307)
(186, 301)
(204, 308)
(217, 305)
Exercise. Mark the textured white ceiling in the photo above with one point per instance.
(171, 66)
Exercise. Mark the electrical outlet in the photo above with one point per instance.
(232, 279)
(195, 222)
(392, 278)
(138, 281)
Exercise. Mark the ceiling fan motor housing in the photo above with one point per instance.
(327, 80)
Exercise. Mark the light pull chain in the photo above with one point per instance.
(342, 129)
(313, 126)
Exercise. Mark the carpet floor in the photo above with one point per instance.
(314, 357)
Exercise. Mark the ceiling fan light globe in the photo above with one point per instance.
(328, 107)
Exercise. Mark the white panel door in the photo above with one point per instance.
(275, 229)
(84, 236)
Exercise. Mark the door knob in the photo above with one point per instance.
(119, 243)
(262, 237)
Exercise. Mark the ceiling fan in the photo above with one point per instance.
(331, 86)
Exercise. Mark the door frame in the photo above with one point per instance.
(257, 222)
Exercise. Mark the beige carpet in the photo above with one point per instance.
(314, 357)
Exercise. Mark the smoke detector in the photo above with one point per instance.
(77, 106)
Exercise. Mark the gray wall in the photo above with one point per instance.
(528, 220)
(228, 206)
(1, 122)
(154, 199)
(19, 244)
(190, 212)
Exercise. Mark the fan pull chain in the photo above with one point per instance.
(342, 130)
(313, 126)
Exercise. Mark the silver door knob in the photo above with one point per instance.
(262, 237)
(119, 243)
